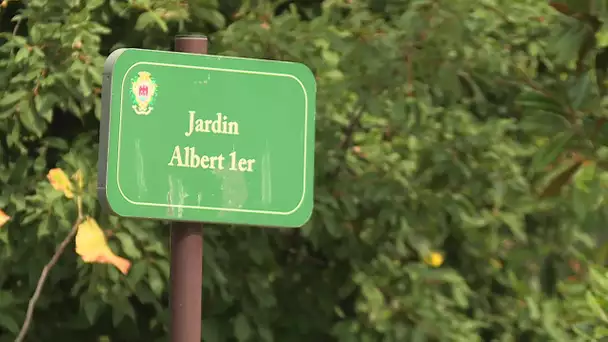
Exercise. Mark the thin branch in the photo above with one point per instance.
(17, 26)
(410, 75)
(45, 272)
(349, 131)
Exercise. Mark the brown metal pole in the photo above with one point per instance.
(187, 251)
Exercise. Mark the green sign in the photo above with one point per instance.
(205, 138)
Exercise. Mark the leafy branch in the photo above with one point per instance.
(90, 241)
(59, 181)
(46, 270)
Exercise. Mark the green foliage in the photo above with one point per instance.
(474, 130)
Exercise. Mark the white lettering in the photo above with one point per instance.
(243, 165)
(193, 160)
(220, 125)
(176, 155)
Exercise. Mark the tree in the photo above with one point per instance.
(459, 179)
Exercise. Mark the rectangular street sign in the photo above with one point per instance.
(205, 138)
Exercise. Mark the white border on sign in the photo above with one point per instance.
(203, 207)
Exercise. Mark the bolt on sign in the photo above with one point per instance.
(187, 137)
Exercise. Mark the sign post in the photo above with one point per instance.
(190, 138)
(185, 296)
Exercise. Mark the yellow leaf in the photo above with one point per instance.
(92, 246)
(60, 181)
(496, 263)
(3, 218)
(434, 259)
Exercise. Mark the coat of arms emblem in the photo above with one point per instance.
(143, 91)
